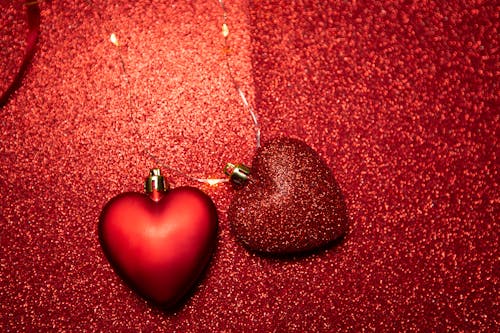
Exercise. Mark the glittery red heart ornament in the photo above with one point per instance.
(160, 243)
(292, 203)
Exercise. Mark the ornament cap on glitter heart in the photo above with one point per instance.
(292, 204)
(238, 173)
(159, 242)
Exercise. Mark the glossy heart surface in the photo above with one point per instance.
(292, 203)
(159, 247)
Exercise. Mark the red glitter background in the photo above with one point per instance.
(399, 97)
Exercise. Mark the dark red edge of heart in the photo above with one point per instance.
(189, 290)
(291, 254)
(33, 18)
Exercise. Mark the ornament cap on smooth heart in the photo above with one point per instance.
(292, 204)
(156, 184)
(159, 242)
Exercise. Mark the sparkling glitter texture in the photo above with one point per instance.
(292, 202)
(13, 29)
(399, 97)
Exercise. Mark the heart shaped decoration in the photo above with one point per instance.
(160, 243)
(292, 203)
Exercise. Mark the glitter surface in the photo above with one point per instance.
(400, 98)
(13, 29)
(292, 202)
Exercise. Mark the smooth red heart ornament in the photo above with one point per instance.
(159, 243)
(292, 202)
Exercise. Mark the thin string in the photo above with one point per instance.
(246, 105)
(114, 40)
